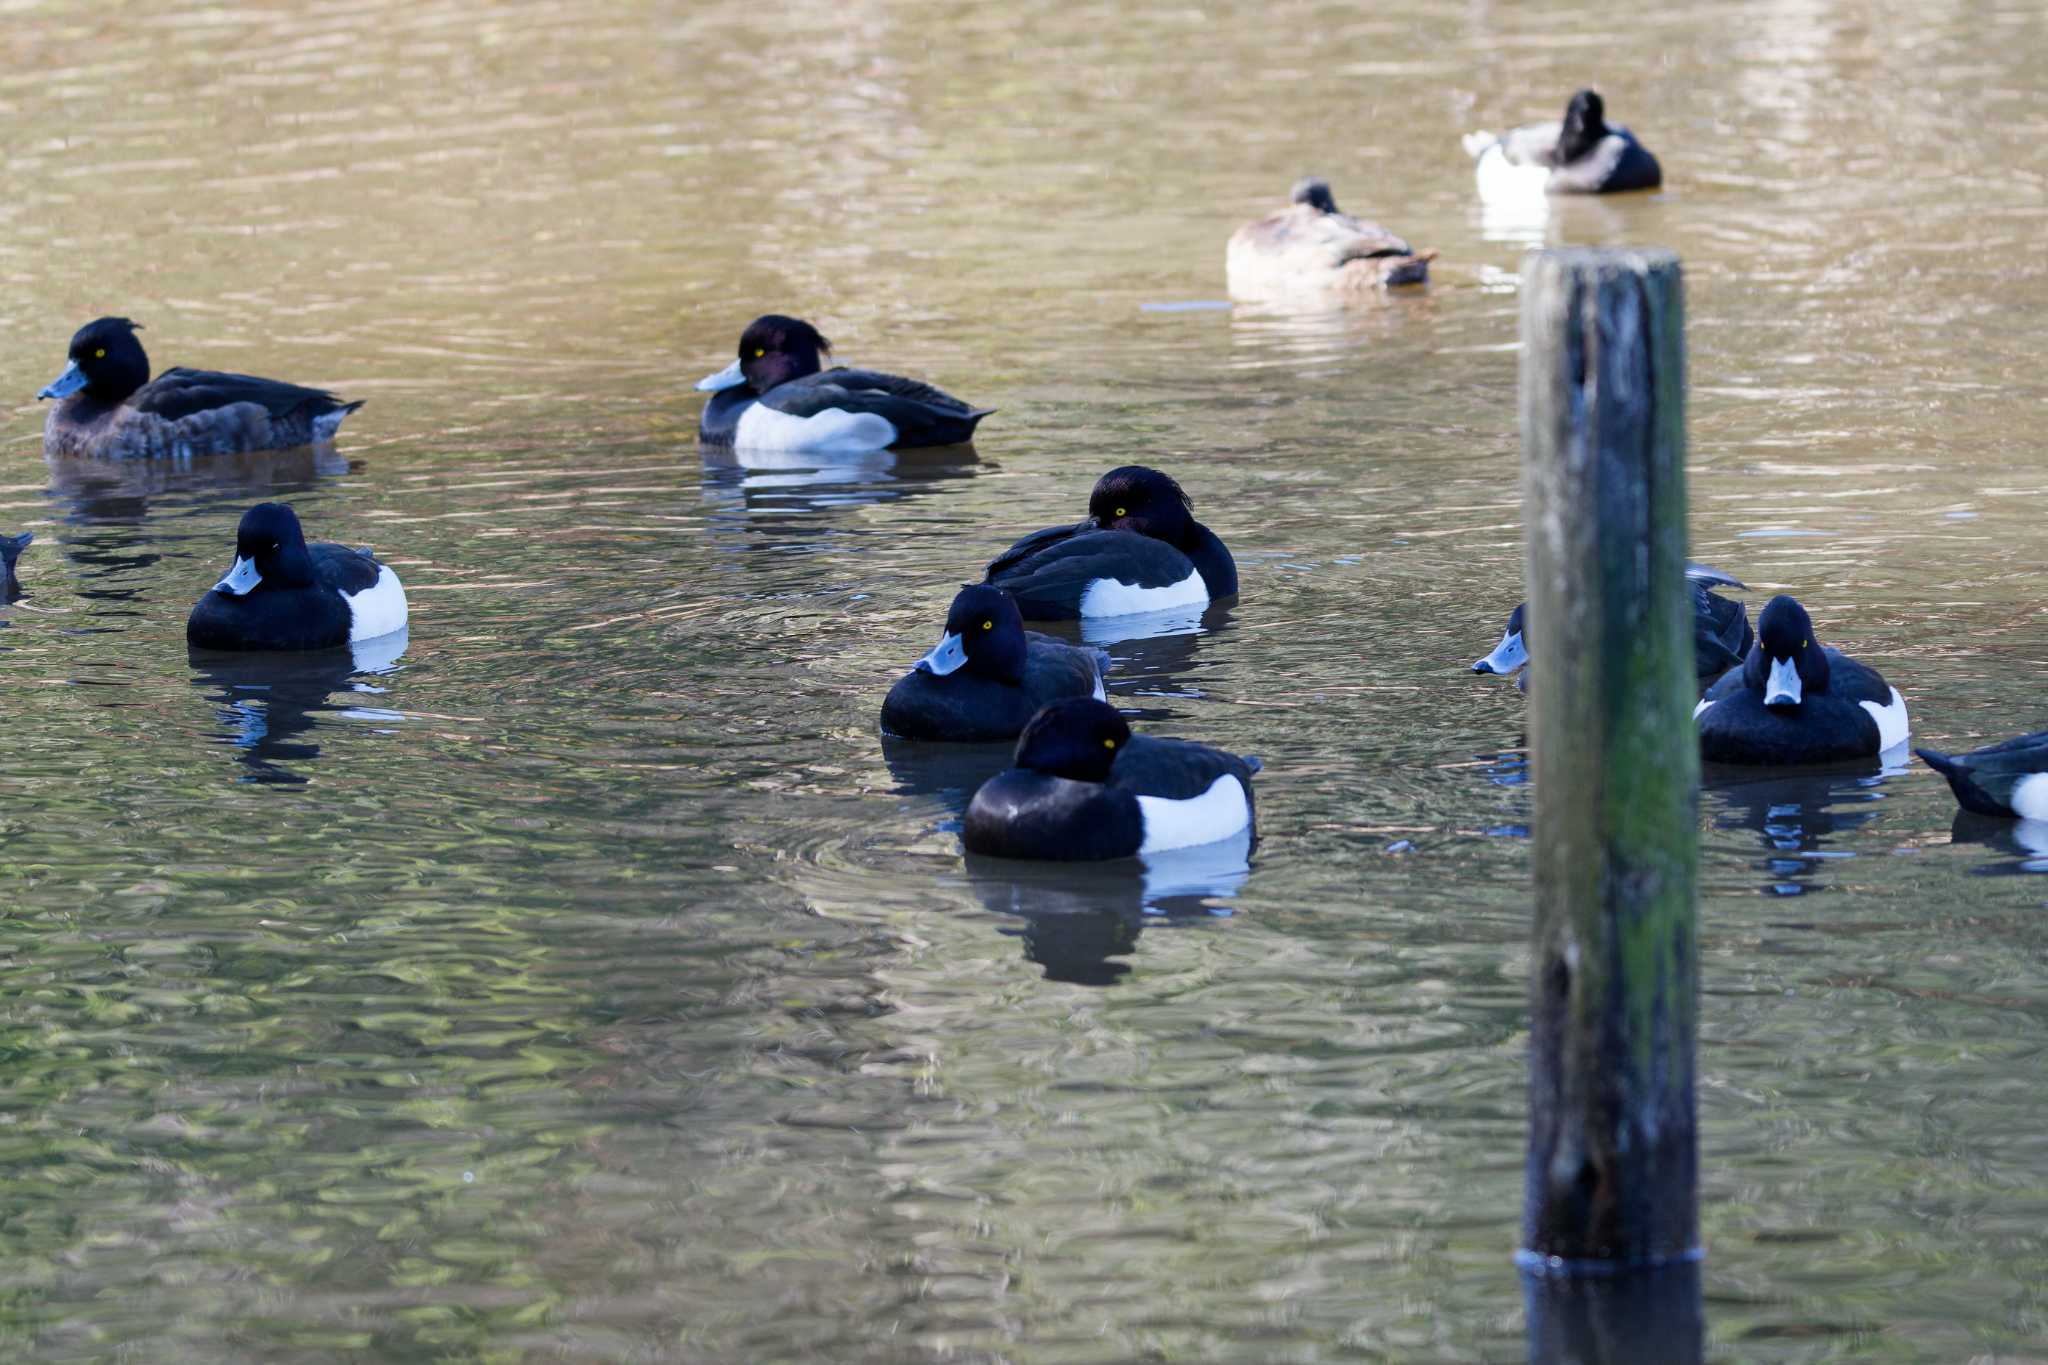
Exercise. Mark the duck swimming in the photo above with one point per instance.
(2009, 778)
(1311, 247)
(109, 407)
(1581, 154)
(1085, 788)
(987, 676)
(1138, 550)
(1795, 701)
(778, 396)
(285, 594)
(1720, 631)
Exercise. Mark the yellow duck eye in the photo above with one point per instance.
(759, 352)
(1109, 744)
(988, 625)
(1119, 511)
(100, 354)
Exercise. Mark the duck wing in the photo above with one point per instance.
(921, 413)
(1177, 769)
(179, 393)
(1049, 572)
(1532, 144)
(340, 566)
(1721, 634)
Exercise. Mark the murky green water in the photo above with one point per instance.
(593, 985)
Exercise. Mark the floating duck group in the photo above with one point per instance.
(1081, 786)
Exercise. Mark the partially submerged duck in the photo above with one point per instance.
(1580, 154)
(1084, 788)
(283, 594)
(1720, 631)
(1312, 247)
(777, 395)
(109, 407)
(1796, 701)
(1139, 549)
(2009, 778)
(987, 676)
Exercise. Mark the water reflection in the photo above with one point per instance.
(772, 484)
(1798, 815)
(1079, 918)
(2023, 842)
(121, 492)
(268, 702)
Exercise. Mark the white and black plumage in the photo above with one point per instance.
(283, 594)
(1085, 789)
(1139, 550)
(777, 395)
(1795, 701)
(987, 676)
(108, 406)
(2009, 778)
(1579, 154)
(1312, 248)
(1721, 636)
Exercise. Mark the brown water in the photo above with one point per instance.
(593, 985)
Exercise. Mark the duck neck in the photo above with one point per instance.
(1219, 570)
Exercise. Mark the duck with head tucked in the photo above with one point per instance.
(778, 395)
(1085, 788)
(1139, 549)
(1720, 631)
(1797, 701)
(1580, 154)
(987, 676)
(283, 594)
(1311, 248)
(108, 406)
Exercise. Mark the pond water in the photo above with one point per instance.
(590, 982)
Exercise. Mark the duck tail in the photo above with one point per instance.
(1939, 761)
(974, 416)
(1254, 762)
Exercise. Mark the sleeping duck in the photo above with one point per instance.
(1795, 701)
(282, 593)
(1720, 631)
(1138, 550)
(108, 406)
(2009, 778)
(777, 395)
(987, 676)
(1310, 247)
(1582, 154)
(10, 553)
(1085, 788)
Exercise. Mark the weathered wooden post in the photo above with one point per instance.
(1612, 1165)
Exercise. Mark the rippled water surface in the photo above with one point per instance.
(591, 983)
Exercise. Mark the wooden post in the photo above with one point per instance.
(1612, 1166)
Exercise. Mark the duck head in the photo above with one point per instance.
(1511, 653)
(1314, 191)
(1786, 662)
(773, 350)
(1585, 123)
(1134, 498)
(1077, 739)
(984, 634)
(107, 362)
(269, 548)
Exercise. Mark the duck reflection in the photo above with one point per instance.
(121, 492)
(1078, 918)
(1797, 814)
(2023, 842)
(268, 703)
(773, 489)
